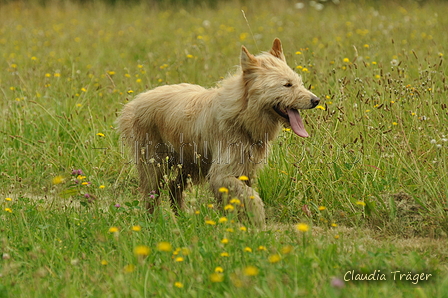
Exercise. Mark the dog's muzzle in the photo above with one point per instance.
(314, 101)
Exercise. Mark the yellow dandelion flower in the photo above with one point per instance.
(113, 230)
(302, 227)
(216, 277)
(164, 246)
(298, 53)
(222, 219)
(178, 284)
(179, 259)
(346, 60)
(8, 199)
(251, 271)
(130, 91)
(229, 207)
(225, 241)
(243, 178)
(322, 208)
(111, 72)
(190, 56)
(334, 225)
(83, 89)
(136, 228)
(361, 203)
(223, 190)
(235, 201)
(142, 250)
(244, 229)
(101, 187)
(219, 269)
(247, 249)
(224, 254)
(57, 75)
(197, 212)
(57, 180)
(394, 123)
(336, 236)
(230, 230)
(85, 183)
(274, 258)
(261, 247)
(251, 197)
(286, 129)
(100, 134)
(210, 222)
(129, 268)
(47, 75)
(8, 210)
(305, 69)
(140, 66)
(287, 249)
(185, 251)
(104, 262)
(320, 107)
(210, 206)
(78, 105)
(366, 46)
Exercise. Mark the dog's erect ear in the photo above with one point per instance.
(248, 61)
(277, 50)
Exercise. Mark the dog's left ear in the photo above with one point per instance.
(277, 50)
(248, 61)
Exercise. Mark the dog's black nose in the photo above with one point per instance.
(314, 101)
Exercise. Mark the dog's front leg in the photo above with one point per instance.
(251, 200)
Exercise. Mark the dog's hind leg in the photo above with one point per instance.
(149, 184)
(176, 188)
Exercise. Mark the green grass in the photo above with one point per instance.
(371, 182)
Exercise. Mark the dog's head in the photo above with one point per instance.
(276, 88)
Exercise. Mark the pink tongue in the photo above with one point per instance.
(296, 123)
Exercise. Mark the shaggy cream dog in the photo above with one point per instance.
(182, 132)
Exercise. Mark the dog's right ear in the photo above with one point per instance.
(248, 61)
(277, 50)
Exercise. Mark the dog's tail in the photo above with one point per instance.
(125, 125)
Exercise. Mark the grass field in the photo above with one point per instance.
(366, 194)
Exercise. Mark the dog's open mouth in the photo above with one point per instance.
(293, 116)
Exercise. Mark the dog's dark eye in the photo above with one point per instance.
(288, 85)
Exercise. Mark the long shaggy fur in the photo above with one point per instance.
(216, 134)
